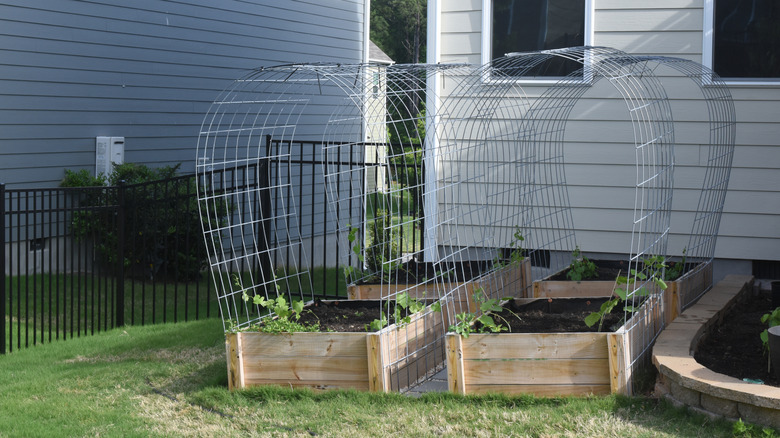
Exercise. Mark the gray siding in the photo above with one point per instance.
(143, 69)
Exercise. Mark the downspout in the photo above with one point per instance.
(430, 154)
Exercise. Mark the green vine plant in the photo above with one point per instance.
(770, 319)
(286, 318)
(466, 321)
(516, 254)
(581, 267)
(654, 268)
(405, 307)
(676, 270)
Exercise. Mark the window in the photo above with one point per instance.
(742, 40)
(529, 25)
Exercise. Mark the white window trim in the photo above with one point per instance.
(708, 51)
(487, 40)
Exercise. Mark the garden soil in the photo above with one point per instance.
(734, 348)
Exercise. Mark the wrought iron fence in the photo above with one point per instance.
(78, 261)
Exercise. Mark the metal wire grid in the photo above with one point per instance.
(419, 163)
(719, 153)
(495, 170)
(246, 185)
(537, 136)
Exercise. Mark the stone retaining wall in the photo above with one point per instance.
(685, 381)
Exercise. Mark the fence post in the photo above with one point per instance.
(264, 224)
(120, 255)
(2, 268)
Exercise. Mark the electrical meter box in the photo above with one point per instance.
(108, 152)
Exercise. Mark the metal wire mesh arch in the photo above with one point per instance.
(252, 134)
(548, 225)
(412, 166)
(719, 145)
(531, 133)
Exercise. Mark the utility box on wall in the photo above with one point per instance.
(108, 152)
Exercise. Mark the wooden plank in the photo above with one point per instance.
(455, 372)
(544, 390)
(294, 369)
(617, 365)
(258, 345)
(377, 378)
(536, 371)
(234, 363)
(558, 289)
(535, 346)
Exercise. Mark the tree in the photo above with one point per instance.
(398, 27)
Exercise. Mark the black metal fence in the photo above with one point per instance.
(77, 261)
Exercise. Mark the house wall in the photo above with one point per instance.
(599, 147)
(143, 69)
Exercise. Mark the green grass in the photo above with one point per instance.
(169, 380)
(47, 307)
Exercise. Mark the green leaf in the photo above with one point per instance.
(592, 319)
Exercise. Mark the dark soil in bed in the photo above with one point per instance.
(734, 348)
(608, 270)
(418, 272)
(342, 316)
(557, 315)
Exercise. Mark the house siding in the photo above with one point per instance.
(599, 148)
(144, 69)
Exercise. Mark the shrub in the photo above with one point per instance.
(162, 225)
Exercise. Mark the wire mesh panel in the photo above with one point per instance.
(444, 184)
(703, 174)
(410, 192)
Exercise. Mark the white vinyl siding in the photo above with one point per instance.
(599, 149)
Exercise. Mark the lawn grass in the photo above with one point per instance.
(43, 308)
(170, 380)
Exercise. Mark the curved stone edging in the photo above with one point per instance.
(686, 381)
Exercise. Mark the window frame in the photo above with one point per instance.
(708, 51)
(487, 41)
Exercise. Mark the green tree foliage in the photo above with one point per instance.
(398, 27)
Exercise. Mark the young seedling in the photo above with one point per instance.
(581, 267)
(654, 267)
(405, 307)
(287, 315)
(771, 320)
(466, 321)
(674, 271)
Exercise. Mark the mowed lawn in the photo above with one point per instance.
(169, 380)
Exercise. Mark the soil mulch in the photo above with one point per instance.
(562, 315)
(342, 316)
(608, 270)
(734, 348)
(417, 272)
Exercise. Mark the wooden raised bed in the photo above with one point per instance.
(512, 279)
(548, 364)
(679, 293)
(682, 292)
(363, 361)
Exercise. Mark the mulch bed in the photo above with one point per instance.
(734, 348)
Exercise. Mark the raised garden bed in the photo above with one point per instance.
(549, 364)
(680, 292)
(338, 360)
(512, 280)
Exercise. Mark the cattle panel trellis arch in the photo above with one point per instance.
(426, 179)
(378, 152)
